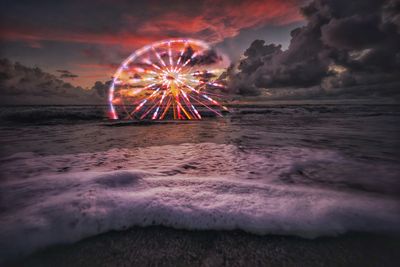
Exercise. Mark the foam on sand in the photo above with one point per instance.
(63, 208)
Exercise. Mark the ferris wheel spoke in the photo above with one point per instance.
(141, 80)
(208, 107)
(181, 54)
(171, 63)
(151, 64)
(184, 110)
(148, 111)
(158, 56)
(198, 73)
(144, 101)
(161, 81)
(159, 106)
(187, 61)
(140, 90)
(190, 106)
(166, 108)
(214, 84)
(206, 97)
(156, 104)
(214, 94)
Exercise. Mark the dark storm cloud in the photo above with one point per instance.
(24, 85)
(345, 43)
(207, 57)
(101, 88)
(235, 46)
(66, 74)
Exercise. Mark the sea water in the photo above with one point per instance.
(67, 173)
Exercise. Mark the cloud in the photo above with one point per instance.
(35, 36)
(66, 74)
(107, 32)
(21, 85)
(383, 91)
(207, 57)
(344, 44)
(217, 20)
(133, 24)
(101, 88)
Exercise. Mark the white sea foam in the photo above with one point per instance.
(195, 159)
(51, 208)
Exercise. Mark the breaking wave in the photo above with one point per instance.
(180, 190)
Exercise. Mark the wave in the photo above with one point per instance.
(63, 114)
(53, 199)
(44, 114)
(66, 114)
(287, 165)
(353, 110)
(66, 208)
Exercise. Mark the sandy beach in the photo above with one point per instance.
(161, 246)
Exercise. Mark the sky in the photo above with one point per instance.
(279, 49)
(84, 41)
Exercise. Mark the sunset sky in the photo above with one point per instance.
(83, 41)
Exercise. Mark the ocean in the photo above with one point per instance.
(306, 171)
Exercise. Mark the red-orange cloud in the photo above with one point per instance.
(212, 21)
(220, 19)
(33, 36)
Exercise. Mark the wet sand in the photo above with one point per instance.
(161, 246)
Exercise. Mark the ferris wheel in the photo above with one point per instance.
(171, 79)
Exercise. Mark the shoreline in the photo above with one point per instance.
(163, 246)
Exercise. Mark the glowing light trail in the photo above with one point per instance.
(175, 87)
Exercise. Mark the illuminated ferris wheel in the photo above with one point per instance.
(172, 79)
